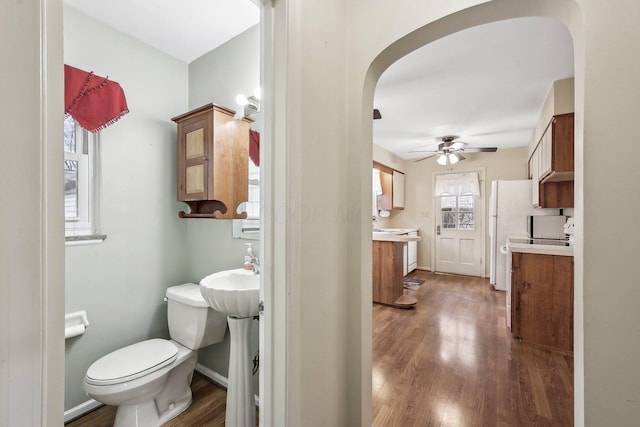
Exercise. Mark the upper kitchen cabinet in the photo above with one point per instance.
(551, 164)
(398, 190)
(392, 182)
(556, 145)
(213, 156)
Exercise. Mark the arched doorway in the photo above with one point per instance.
(569, 15)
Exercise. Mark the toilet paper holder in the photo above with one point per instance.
(75, 324)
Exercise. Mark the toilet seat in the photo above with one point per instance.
(131, 362)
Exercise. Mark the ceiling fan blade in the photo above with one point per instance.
(460, 156)
(426, 152)
(425, 158)
(481, 150)
(376, 114)
(457, 145)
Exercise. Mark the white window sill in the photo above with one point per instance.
(91, 239)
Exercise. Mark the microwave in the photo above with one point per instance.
(546, 226)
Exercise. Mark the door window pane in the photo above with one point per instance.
(458, 212)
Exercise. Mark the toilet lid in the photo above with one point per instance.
(131, 362)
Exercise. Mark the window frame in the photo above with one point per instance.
(85, 226)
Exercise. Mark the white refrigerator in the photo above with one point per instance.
(509, 205)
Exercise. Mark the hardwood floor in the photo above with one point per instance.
(448, 362)
(451, 362)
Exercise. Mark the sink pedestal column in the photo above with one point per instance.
(241, 409)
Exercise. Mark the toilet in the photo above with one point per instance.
(150, 381)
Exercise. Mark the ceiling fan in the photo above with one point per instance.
(449, 152)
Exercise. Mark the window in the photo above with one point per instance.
(80, 180)
(458, 212)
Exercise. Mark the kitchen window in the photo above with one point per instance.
(81, 151)
(458, 212)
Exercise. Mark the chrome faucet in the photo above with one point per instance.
(253, 262)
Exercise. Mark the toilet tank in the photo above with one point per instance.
(192, 322)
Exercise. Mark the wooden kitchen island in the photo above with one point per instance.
(387, 270)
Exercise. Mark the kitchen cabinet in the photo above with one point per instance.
(213, 156)
(542, 300)
(534, 175)
(398, 190)
(392, 182)
(557, 150)
(385, 200)
(551, 165)
(387, 283)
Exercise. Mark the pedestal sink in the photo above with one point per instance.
(236, 293)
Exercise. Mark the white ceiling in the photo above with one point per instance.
(183, 29)
(486, 84)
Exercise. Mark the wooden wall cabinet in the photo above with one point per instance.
(213, 156)
(385, 200)
(392, 181)
(542, 300)
(551, 165)
(398, 190)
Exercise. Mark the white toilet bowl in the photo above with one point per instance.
(150, 381)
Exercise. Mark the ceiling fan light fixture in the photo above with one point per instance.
(442, 159)
(453, 158)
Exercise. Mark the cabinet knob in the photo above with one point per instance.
(204, 159)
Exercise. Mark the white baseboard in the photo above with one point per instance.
(81, 409)
(221, 380)
(217, 378)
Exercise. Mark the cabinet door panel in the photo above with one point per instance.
(194, 180)
(195, 144)
(193, 159)
(398, 190)
(542, 300)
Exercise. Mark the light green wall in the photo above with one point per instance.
(218, 77)
(121, 282)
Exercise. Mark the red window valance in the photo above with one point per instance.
(95, 102)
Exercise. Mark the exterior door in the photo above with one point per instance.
(459, 235)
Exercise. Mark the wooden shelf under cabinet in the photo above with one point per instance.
(213, 168)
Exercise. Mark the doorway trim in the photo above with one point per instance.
(482, 173)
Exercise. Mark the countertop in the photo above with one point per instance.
(395, 235)
(551, 248)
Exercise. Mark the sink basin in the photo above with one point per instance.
(235, 293)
